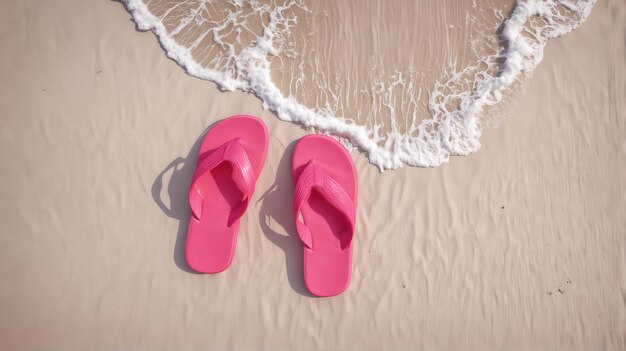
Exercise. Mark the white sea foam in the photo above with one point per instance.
(455, 103)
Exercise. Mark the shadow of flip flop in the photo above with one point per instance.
(181, 171)
(277, 207)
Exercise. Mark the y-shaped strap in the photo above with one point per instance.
(233, 153)
(314, 177)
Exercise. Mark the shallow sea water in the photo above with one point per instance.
(407, 83)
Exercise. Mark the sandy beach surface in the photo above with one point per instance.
(520, 246)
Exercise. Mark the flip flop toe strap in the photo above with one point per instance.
(314, 177)
(233, 153)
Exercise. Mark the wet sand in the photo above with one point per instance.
(518, 246)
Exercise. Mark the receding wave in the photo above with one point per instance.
(408, 84)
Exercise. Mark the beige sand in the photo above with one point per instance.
(97, 145)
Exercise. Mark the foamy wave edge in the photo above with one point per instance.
(445, 134)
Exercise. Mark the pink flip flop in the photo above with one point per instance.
(230, 160)
(325, 209)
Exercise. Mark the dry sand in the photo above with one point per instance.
(519, 246)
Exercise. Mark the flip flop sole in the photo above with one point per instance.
(327, 268)
(211, 241)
